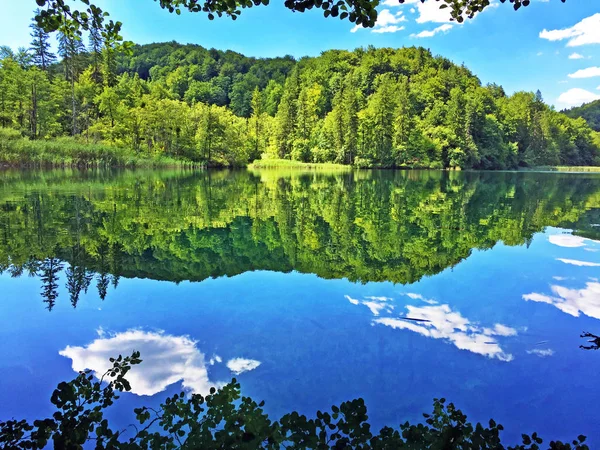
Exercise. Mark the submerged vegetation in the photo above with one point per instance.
(390, 108)
(224, 419)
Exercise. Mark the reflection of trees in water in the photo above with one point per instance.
(49, 270)
(364, 226)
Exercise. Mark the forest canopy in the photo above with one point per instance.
(371, 107)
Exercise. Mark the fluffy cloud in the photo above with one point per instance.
(239, 365)
(441, 322)
(576, 56)
(576, 97)
(585, 32)
(429, 33)
(166, 359)
(590, 72)
(572, 301)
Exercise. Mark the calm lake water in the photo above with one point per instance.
(300, 285)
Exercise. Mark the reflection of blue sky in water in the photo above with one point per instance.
(573, 301)
(441, 322)
(166, 360)
(485, 348)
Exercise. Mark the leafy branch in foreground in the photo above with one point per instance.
(225, 419)
(361, 12)
(594, 341)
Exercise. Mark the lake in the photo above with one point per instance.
(311, 288)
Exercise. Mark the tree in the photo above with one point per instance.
(40, 47)
(70, 49)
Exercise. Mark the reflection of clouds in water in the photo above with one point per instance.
(239, 365)
(166, 359)
(567, 240)
(572, 241)
(375, 304)
(441, 322)
(572, 301)
(576, 262)
(420, 297)
(542, 353)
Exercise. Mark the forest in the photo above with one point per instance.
(103, 102)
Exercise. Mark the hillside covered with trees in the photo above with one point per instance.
(368, 107)
(589, 111)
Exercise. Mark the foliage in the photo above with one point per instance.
(392, 108)
(16, 151)
(361, 12)
(589, 111)
(226, 420)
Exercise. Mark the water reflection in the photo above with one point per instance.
(441, 322)
(167, 360)
(572, 301)
(87, 231)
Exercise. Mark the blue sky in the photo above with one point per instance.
(549, 45)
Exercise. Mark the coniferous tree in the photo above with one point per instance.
(40, 46)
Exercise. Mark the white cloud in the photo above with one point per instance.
(166, 359)
(576, 97)
(542, 353)
(240, 365)
(387, 22)
(388, 29)
(572, 301)
(429, 33)
(576, 56)
(566, 240)
(539, 53)
(576, 262)
(585, 32)
(440, 322)
(590, 72)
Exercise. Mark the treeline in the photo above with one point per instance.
(369, 107)
(86, 232)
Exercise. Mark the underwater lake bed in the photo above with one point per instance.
(311, 288)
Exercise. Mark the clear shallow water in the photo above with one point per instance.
(297, 284)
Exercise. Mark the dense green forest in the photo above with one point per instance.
(89, 230)
(368, 107)
(589, 111)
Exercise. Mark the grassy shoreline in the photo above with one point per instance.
(18, 152)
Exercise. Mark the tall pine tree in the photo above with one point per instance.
(40, 46)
